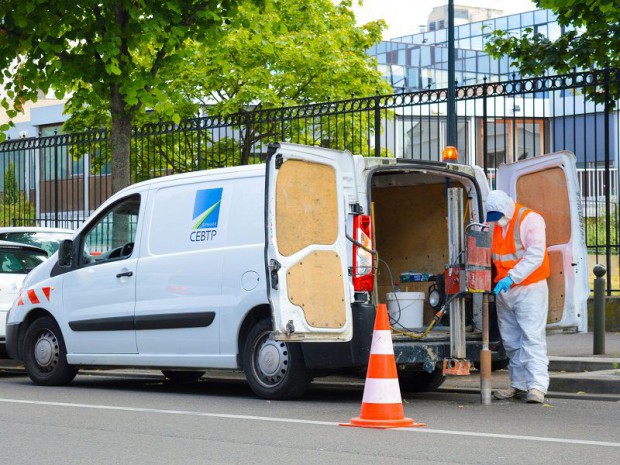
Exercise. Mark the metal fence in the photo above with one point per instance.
(59, 180)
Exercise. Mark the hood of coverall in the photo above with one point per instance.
(499, 201)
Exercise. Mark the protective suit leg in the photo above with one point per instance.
(510, 332)
(522, 316)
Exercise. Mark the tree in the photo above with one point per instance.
(14, 203)
(283, 54)
(591, 40)
(117, 54)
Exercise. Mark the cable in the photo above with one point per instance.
(438, 316)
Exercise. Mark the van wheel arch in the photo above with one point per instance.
(256, 314)
(45, 353)
(31, 317)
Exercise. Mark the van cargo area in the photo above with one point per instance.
(410, 211)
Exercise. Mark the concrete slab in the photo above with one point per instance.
(596, 382)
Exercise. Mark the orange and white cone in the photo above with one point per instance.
(382, 406)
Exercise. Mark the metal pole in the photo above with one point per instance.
(599, 310)
(485, 355)
(56, 184)
(457, 307)
(377, 125)
(452, 133)
(607, 182)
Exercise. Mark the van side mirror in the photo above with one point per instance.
(65, 254)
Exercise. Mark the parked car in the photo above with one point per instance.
(16, 261)
(47, 239)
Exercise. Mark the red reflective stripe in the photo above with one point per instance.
(33, 296)
(46, 291)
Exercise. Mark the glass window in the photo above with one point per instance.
(425, 56)
(514, 22)
(540, 16)
(476, 29)
(555, 31)
(48, 241)
(464, 31)
(440, 37)
(441, 24)
(112, 237)
(501, 24)
(464, 43)
(476, 43)
(483, 64)
(541, 29)
(527, 19)
(16, 261)
(415, 57)
(57, 163)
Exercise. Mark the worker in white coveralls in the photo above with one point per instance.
(519, 254)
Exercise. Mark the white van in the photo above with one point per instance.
(253, 267)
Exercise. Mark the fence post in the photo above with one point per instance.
(599, 310)
(56, 179)
(485, 136)
(607, 183)
(377, 125)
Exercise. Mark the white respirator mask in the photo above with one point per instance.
(503, 221)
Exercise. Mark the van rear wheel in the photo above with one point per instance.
(274, 369)
(421, 381)
(45, 354)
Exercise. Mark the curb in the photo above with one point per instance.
(581, 364)
(596, 382)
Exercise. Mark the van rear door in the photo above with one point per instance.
(548, 184)
(308, 192)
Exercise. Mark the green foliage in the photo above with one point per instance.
(115, 57)
(596, 233)
(591, 41)
(14, 203)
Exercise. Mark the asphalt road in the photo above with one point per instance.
(142, 420)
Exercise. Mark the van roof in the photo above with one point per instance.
(246, 170)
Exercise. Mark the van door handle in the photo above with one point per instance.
(126, 273)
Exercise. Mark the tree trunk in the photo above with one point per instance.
(120, 142)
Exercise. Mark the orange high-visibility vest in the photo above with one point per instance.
(507, 251)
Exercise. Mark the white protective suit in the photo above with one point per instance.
(522, 310)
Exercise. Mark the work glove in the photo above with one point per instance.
(503, 285)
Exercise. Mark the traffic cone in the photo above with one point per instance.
(382, 406)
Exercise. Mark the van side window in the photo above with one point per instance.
(112, 236)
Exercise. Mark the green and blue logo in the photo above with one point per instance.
(207, 208)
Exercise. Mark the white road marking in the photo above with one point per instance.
(309, 422)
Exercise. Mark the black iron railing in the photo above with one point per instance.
(60, 180)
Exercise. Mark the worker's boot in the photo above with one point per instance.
(510, 393)
(534, 396)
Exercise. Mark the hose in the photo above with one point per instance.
(438, 316)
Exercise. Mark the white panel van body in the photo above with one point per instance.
(254, 267)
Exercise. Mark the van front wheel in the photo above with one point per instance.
(274, 369)
(45, 354)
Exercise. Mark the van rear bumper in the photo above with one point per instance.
(408, 352)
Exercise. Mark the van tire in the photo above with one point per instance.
(45, 354)
(185, 376)
(274, 369)
(421, 381)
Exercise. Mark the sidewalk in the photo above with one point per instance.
(573, 370)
